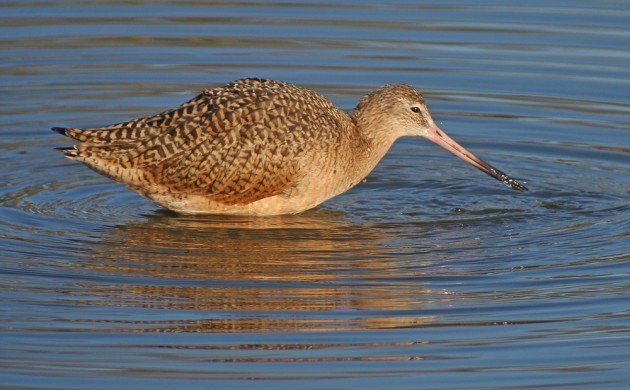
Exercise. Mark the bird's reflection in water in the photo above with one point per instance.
(314, 271)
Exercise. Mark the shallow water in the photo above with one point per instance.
(430, 274)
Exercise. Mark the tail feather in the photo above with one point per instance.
(71, 152)
(107, 135)
(74, 133)
(60, 130)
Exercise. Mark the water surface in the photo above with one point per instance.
(429, 274)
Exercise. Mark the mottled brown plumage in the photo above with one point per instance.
(257, 147)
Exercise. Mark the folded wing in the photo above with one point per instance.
(235, 144)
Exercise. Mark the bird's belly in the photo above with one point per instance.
(293, 203)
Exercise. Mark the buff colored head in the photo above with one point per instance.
(399, 110)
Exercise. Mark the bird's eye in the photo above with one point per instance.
(415, 109)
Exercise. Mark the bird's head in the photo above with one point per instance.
(398, 110)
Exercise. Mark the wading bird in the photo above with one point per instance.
(259, 147)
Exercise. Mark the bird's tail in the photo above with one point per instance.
(71, 152)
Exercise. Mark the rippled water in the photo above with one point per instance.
(430, 274)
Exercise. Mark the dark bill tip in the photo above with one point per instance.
(497, 174)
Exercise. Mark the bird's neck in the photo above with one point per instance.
(374, 140)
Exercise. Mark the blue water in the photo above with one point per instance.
(428, 275)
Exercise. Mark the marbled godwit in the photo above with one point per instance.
(259, 147)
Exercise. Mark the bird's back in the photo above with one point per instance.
(233, 145)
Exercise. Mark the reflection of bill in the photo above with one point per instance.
(313, 271)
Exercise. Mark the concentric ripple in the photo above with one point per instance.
(429, 274)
